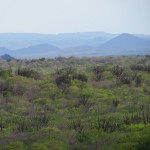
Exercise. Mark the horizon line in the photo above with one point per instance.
(73, 33)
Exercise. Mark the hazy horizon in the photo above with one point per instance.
(74, 33)
(72, 16)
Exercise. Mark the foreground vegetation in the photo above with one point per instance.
(75, 104)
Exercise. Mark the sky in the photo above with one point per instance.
(67, 16)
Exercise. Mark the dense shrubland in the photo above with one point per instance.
(75, 104)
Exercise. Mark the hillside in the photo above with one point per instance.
(35, 51)
(6, 57)
(99, 103)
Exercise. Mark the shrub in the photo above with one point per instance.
(98, 72)
(22, 125)
(5, 73)
(14, 146)
(27, 72)
(117, 71)
(3, 85)
(109, 124)
(2, 124)
(41, 101)
(63, 81)
(115, 103)
(126, 78)
(84, 99)
(141, 67)
(77, 125)
(66, 70)
(39, 121)
(138, 80)
(81, 77)
(38, 146)
(17, 85)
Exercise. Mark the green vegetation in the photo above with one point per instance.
(100, 103)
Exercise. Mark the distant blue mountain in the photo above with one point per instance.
(73, 44)
(126, 42)
(37, 50)
(66, 40)
(6, 57)
(146, 37)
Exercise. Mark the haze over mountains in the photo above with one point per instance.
(73, 44)
(68, 40)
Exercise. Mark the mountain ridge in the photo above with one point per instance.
(6, 57)
(122, 44)
(15, 41)
(126, 41)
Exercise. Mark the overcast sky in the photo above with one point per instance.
(65, 16)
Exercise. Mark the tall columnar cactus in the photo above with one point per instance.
(117, 71)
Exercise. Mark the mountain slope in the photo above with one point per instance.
(82, 44)
(15, 41)
(6, 57)
(126, 42)
(41, 49)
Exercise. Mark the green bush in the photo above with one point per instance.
(17, 145)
